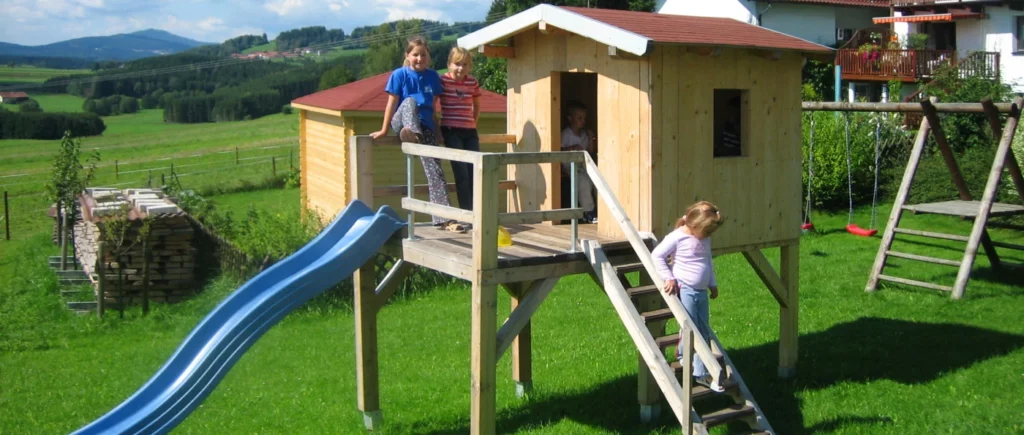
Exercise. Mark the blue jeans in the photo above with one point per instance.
(462, 139)
(696, 304)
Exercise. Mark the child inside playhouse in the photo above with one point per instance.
(576, 138)
(692, 273)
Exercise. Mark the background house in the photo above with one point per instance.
(13, 97)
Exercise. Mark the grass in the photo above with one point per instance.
(897, 361)
(31, 74)
(277, 200)
(270, 46)
(59, 102)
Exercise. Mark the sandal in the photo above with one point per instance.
(407, 135)
(455, 227)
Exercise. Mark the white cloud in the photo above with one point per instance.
(284, 7)
(403, 13)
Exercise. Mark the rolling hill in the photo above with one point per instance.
(125, 46)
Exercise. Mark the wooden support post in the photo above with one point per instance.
(484, 306)
(686, 380)
(522, 367)
(101, 277)
(145, 276)
(648, 392)
(7, 218)
(945, 150)
(768, 276)
(360, 176)
(273, 166)
(367, 374)
(789, 316)
(1011, 160)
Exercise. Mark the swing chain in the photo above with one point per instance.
(874, 198)
(810, 172)
(849, 168)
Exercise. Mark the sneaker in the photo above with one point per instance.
(712, 385)
(590, 217)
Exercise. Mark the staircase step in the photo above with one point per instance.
(74, 281)
(916, 283)
(702, 392)
(82, 305)
(933, 235)
(667, 341)
(70, 273)
(629, 267)
(642, 290)
(657, 315)
(923, 258)
(725, 415)
(677, 367)
(69, 293)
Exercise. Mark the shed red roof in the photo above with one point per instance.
(691, 30)
(13, 95)
(368, 95)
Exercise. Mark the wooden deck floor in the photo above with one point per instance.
(964, 208)
(538, 251)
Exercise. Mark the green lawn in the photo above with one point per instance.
(894, 362)
(270, 46)
(277, 200)
(59, 102)
(31, 74)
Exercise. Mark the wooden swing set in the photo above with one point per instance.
(980, 211)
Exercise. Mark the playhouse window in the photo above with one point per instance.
(1020, 34)
(730, 118)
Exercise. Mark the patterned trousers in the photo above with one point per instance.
(407, 116)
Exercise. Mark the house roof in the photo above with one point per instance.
(862, 3)
(632, 32)
(13, 95)
(367, 95)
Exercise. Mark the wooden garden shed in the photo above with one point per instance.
(327, 122)
(661, 91)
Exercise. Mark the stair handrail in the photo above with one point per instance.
(700, 345)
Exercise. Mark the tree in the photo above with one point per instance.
(385, 52)
(69, 177)
(129, 105)
(335, 76)
(30, 106)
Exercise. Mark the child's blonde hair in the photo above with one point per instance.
(702, 217)
(415, 41)
(459, 54)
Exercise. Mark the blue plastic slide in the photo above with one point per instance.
(225, 334)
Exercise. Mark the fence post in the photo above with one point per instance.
(236, 155)
(64, 243)
(290, 164)
(7, 218)
(162, 182)
(149, 182)
(172, 168)
(145, 275)
(101, 273)
(273, 166)
(117, 172)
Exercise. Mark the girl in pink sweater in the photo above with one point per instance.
(692, 274)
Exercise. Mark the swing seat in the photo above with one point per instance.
(858, 231)
(807, 227)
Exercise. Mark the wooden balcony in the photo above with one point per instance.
(913, 65)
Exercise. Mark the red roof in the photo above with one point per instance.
(863, 3)
(691, 30)
(13, 95)
(368, 95)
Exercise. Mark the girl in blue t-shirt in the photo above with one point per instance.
(415, 90)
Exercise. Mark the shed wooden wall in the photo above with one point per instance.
(324, 141)
(623, 106)
(758, 193)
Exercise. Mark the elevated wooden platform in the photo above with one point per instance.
(538, 251)
(965, 208)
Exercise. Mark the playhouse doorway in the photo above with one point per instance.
(575, 90)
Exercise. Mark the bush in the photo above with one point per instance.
(49, 125)
(831, 179)
(129, 105)
(30, 106)
(286, 109)
(934, 183)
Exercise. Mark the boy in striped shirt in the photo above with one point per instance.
(460, 110)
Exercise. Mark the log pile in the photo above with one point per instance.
(171, 264)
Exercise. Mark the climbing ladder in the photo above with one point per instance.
(966, 207)
(634, 305)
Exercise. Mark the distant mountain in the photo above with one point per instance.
(125, 46)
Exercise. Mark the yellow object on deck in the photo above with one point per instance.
(504, 238)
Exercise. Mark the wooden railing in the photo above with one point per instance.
(906, 65)
(983, 64)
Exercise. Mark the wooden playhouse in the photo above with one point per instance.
(330, 118)
(684, 109)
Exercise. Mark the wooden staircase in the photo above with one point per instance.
(644, 310)
(968, 208)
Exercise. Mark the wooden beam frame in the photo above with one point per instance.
(766, 272)
(527, 304)
(619, 54)
(789, 315)
(484, 309)
(391, 282)
(1011, 160)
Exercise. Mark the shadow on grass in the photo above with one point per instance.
(863, 351)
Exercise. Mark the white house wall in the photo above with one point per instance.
(814, 23)
(740, 10)
(995, 34)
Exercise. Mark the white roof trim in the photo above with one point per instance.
(570, 21)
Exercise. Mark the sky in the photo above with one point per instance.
(39, 22)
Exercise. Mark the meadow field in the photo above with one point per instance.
(29, 74)
(897, 361)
